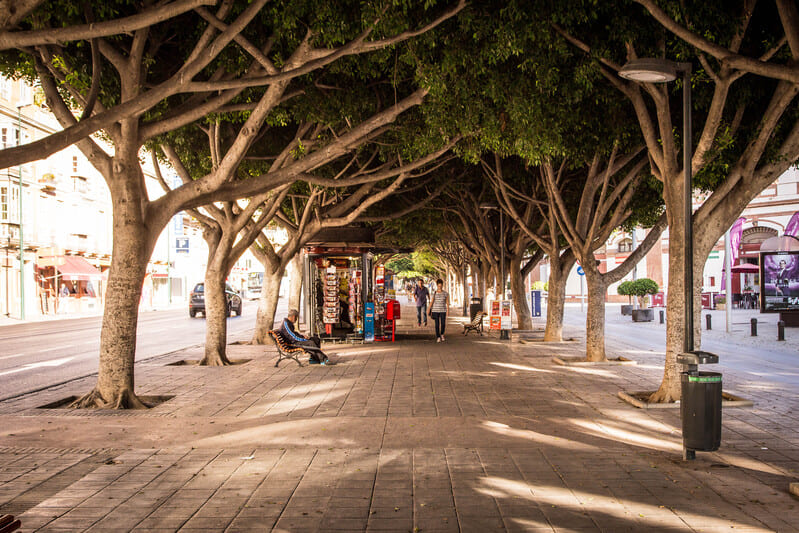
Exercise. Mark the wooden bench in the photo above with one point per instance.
(476, 324)
(286, 350)
(8, 524)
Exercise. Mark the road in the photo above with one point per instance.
(755, 358)
(36, 355)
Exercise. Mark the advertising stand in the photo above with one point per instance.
(779, 278)
(501, 318)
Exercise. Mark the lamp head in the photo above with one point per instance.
(650, 70)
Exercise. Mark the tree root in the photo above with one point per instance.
(663, 396)
(126, 399)
(215, 360)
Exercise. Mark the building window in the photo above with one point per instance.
(5, 88)
(712, 281)
(25, 94)
(625, 245)
(4, 139)
(74, 164)
(4, 204)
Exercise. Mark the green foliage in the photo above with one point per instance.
(625, 288)
(540, 286)
(642, 287)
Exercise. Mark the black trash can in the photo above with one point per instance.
(700, 410)
(475, 306)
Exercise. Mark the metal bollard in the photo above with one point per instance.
(709, 322)
(780, 330)
(753, 327)
(662, 316)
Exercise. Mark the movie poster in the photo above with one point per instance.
(779, 281)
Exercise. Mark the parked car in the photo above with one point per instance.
(197, 300)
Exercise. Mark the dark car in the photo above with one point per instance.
(197, 300)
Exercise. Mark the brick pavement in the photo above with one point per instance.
(469, 435)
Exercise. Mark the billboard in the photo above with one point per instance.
(779, 281)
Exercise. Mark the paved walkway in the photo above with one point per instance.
(474, 434)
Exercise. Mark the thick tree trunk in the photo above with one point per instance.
(132, 247)
(267, 305)
(669, 390)
(216, 312)
(595, 317)
(523, 316)
(295, 279)
(556, 297)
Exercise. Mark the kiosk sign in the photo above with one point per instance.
(779, 281)
(501, 315)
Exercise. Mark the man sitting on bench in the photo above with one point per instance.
(312, 345)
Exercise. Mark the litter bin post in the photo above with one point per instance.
(475, 306)
(700, 404)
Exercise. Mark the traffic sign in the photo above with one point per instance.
(580, 271)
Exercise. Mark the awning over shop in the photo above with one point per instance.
(75, 268)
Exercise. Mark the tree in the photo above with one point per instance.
(748, 124)
(641, 288)
(604, 203)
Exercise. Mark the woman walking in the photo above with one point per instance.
(439, 305)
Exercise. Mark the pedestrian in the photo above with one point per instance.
(421, 294)
(439, 305)
(312, 345)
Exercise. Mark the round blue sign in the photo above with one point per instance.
(580, 271)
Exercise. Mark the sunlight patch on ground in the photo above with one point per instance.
(574, 500)
(748, 464)
(599, 429)
(592, 371)
(521, 367)
(528, 434)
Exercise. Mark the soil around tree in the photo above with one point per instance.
(640, 399)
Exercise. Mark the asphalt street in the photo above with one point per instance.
(36, 355)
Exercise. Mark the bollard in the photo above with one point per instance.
(709, 322)
(780, 330)
(753, 327)
(662, 316)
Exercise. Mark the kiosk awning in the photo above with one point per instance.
(75, 268)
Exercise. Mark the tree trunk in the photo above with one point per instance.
(295, 279)
(669, 390)
(267, 305)
(525, 319)
(595, 317)
(465, 287)
(132, 247)
(556, 297)
(216, 312)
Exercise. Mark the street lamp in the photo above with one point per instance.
(700, 404)
(654, 70)
(20, 105)
(503, 334)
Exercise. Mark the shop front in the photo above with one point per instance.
(347, 296)
(68, 284)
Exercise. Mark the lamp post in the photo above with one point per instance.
(700, 405)
(503, 334)
(652, 70)
(20, 105)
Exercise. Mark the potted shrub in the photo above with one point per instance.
(721, 302)
(624, 290)
(641, 288)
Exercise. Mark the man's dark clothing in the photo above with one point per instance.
(312, 345)
(421, 294)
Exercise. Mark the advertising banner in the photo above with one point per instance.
(495, 318)
(779, 281)
(736, 232)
